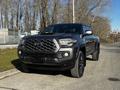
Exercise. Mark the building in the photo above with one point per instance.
(115, 36)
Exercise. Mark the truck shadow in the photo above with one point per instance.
(17, 65)
(7, 88)
(90, 59)
(112, 50)
(114, 79)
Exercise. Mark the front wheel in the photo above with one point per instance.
(25, 68)
(78, 69)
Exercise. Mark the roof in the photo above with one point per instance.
(70, 24)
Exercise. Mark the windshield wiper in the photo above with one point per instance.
(47, 33)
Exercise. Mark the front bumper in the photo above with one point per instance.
(62, 60)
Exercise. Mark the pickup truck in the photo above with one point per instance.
(59, 47)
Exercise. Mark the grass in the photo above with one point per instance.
(6, 57)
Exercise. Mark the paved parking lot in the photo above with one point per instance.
(99, 75)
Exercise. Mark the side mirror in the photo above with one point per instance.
(88, 32)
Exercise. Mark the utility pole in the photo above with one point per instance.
(73, 11)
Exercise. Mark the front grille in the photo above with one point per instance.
(40, 46)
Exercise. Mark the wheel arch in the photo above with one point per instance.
(83, 49)
(97, 46)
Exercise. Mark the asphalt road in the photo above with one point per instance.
(99, 75)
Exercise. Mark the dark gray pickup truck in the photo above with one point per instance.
(59, 47)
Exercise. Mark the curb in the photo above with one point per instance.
(8, 73)
(8, 46)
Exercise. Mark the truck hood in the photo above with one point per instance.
(49, 36)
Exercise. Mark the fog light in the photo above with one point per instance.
(19, 52)
(66, 54)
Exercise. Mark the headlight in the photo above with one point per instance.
(67, 42)
(22, 41)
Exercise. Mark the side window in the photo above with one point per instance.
(86, 28)
(89, 28)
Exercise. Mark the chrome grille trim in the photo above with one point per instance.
(57, 45)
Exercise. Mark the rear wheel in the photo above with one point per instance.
(95, 55)
(78, 69)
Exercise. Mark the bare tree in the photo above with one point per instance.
(1, 14)
(87, 8)
(44, 14)
(33, 14)
(26, 16)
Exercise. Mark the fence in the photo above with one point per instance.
(8, 37)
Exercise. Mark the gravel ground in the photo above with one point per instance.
(99, 75)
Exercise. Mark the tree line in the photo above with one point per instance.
(29, 15)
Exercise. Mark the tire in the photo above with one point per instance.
(95, 55)
(78, 69)
(25, 68)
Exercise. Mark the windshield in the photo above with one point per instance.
(72, 28)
